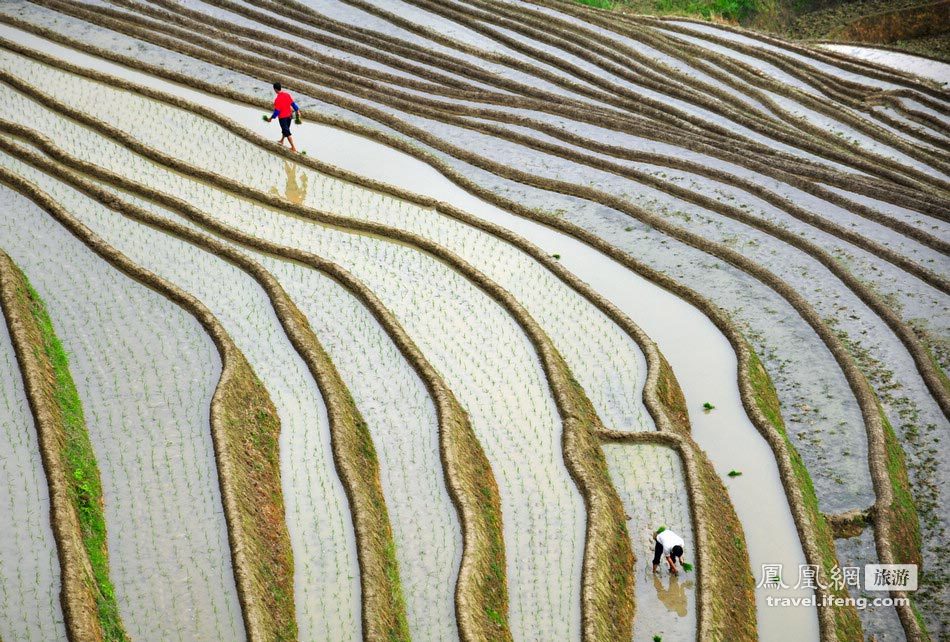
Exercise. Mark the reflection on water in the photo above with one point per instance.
(700, 355)
(295, 189)
(673, 596)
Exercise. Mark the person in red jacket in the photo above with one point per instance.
(284, 110)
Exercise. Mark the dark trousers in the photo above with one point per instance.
(657, 553)
(285, 126)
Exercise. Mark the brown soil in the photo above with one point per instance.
(915, 26)
(849, 524)
(252, 428)
(898, 24)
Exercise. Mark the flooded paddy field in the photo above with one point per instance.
(513, 224)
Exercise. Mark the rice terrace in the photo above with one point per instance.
(544, 320)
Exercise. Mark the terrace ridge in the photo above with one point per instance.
(72, 475)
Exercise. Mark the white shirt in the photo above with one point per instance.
(668, 539)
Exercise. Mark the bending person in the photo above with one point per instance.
(670, 545)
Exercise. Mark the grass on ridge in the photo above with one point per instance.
(733, 10)
(83, 482)
(253, 428)
(598, 4)
(847, 624)
(736, 10)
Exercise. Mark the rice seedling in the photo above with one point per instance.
(482, 355)
(202, 274)
(735, 473)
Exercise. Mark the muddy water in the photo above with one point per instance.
(700, 355)
(706, 368)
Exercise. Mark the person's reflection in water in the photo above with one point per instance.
(295, 190)
(673, 597)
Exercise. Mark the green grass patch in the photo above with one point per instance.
(944, 380)
(598, 4)
(357, 455)
(83, 482)
(496, 610)
(496, 595)
(486, 596)
(905, 524)
(734, 10)
(920, 622)
(494, 616)
(398, 631)
(727, 9)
